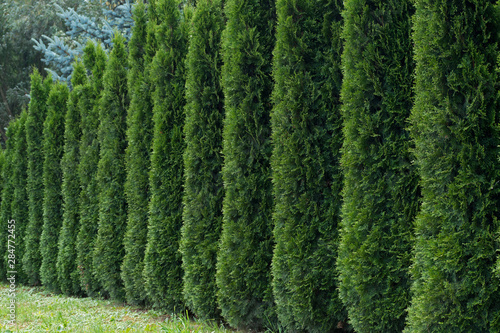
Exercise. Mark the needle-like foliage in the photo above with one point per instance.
(109, 250)
(454, 124)
(246, 246)
(203, 189)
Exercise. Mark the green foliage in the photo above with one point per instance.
(7, 195)
(53, 142)
(137, 161)
(88, 104)
(244, 259)
(307, 137)
(19, 22)
(2, 179)
(203, 188)
(151, 43)
(37, 113)
(381, 193)
(19, 205)
(109, 250)
(162, 262)
(67, 272)
(454, 123)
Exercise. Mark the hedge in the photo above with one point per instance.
(244, 260)
(37, 113)
(109, 250)
(203, 189)
(53, 140)
(68, 274)
(307, 180)
(162, 264)
(454, 124)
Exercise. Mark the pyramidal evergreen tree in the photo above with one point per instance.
(454, 124)
(67, 273)
(94, 59)
(380, 192)
(37, 113)
(109, 250)
(19, 205)
(137, 158)
(53, 139)
(162, 262)
(2, 179)
(203, 188)
(2, 164)
(7, 195)
(244, 259)
(307, 137)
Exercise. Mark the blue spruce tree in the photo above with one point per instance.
(59, 53)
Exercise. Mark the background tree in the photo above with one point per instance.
(380, 193)
(21, 20)
(454, 123)
(203, 189)
(109, 250)
(307, 137)
(19, 205)
(67, 273)
(162, 262)
(7, 195)
(244, 259)
(37, 113)
(53, 143)
(137, 158)
(95, 62)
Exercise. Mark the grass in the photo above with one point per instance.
(40, 311)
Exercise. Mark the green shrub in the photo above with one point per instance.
(162, 262)
(244, 259)
(307, 137)
(454, 123)
(109, 250)
(203, 189)
(137, 160)
(7, 196)
(19, 205)
(95, 61)
(37, 113)
(2, 177)
(53, 143)
(381, 193)
(67, 272)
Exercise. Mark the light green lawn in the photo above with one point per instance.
(40, 311)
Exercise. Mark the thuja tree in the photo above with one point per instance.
(137, 159)
(2, 179)
(2, 163)
(37, 113)
(109, 250)
(380, 189)
(7, 195)
(95, 62)
(307, 137)
(162, 262)
(19, 205)
(454, 123)
(67, 273)
(244, 259)
(53, 139)
(203, 189)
